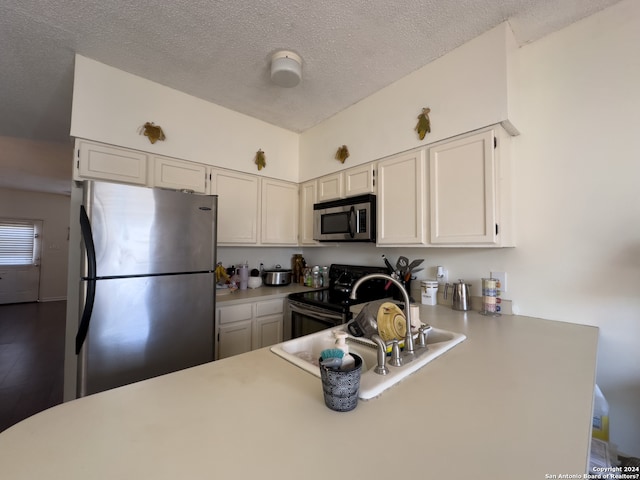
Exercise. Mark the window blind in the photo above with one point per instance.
(17, 241)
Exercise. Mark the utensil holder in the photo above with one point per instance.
(341, 387)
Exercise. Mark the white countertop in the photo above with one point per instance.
(226, 297)
(513, 401)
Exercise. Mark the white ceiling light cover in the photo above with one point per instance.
(286, 68)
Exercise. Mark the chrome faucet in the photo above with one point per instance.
(408, 341)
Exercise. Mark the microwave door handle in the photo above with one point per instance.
(352, 222)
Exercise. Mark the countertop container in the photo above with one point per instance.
(277, 276)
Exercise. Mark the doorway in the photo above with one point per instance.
(20, 253)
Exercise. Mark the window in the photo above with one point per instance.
(19, 241)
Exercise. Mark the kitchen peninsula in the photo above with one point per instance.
(512, 401)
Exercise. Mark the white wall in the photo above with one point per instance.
(110, 105)
(269, 256)
(578, 170)
(577, 210)
(54, 211)
(466, 89)
(35, 165)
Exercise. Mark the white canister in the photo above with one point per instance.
(429, 291)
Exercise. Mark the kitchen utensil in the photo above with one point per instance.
(277, 276)
(414, 264)
(461, 297)
(388, 264)
(392, 324)
(402, 264)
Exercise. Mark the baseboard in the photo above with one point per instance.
(53, 299)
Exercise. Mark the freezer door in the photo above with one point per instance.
(138, 231)
(143, 327)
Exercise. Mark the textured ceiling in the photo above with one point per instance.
(220, 50)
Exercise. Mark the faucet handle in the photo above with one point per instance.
(422, 336)
(396, 361)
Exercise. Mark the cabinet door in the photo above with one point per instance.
(279, 213)
(402, 200)
(463, 191)
(238, 207)
(179, 175)
(267, 331)
(104, 162)
(234, 339)
(330, 187)
(233, 330)
(308, 197)
(359, 180)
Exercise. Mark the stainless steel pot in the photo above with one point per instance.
(277, 276)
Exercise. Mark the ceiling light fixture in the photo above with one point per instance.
(286, 68)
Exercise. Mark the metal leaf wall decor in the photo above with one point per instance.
(424, 124)
(152, 132)
(342, 153)
(260, 160)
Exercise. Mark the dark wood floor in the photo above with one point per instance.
(31, 359)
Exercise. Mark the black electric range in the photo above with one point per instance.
(317, 310)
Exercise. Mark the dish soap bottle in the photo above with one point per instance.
(341, 342)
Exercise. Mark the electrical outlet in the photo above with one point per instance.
(502, 277)
(442, 275)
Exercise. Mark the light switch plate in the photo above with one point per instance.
(502, 276)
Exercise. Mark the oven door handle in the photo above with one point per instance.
(314, 313)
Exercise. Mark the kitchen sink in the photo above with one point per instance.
(305, 351)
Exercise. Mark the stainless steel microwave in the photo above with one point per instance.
(347, 220)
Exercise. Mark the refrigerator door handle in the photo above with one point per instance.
(87, 237)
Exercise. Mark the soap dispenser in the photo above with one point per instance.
(341, 342)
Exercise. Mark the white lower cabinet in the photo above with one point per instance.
(248, 326)
(268, 323)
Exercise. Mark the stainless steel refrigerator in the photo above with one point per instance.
(147, 284)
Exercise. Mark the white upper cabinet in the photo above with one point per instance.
(330, 187)
(255, 211)
(470, 190)
(238, 206)
(178, 174)
(308, 197)
(103, 162)
(353, 181)
(360, 180)
(279, 213)
(402, 199)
